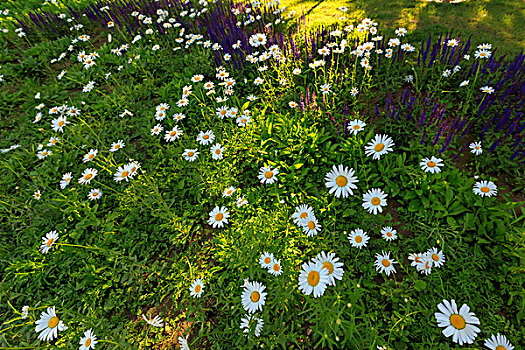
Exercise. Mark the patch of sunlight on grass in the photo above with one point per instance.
(323, 13)
(481, 13)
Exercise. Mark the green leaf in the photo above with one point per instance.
(420, 285)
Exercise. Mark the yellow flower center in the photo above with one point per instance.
(313, 278)
(268, 175)
(53, 322)
(276, 267)
(389, 234)
(341, 181)
(311, 225)
(91, 156)
(375, 201)
(218, 151)
(485, 189)
(61, 123)
(190, 154)
(87, 343)
(427, 265)
(359, 239)
(356, 127)
(501, 347)
(117, 146)
(173, 133)
(88, 176)
(50, 241)
(223, 112)
(125, 173)
(417, 259)
(205, 137)
(243, 120)
(385, 262)
(198, 288)
(255, 297)
(431, 164)
(477, 147)
(44, 154)
(435, 257)
(219, 217)
(457, 321)
(379, 147)
(328, 265)
(267, 260)
(303, 215)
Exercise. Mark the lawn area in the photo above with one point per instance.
(495, 21)
(217, 175)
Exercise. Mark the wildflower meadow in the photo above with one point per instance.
(192, 174)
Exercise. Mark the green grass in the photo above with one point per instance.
(137, 249)
(499, 22)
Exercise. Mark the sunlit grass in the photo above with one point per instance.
(495, 21)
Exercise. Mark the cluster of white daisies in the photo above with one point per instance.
(424, 262)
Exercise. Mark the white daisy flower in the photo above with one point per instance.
(218, 217)
(115, 146)
(229, 191)
(313, 278)
(205, 137)
(332, 264)
(37, 195)
(384, 263)
(485, 188)
(458, 324)
(356, 126)
(388, 233)
(196, 289)
(425, 264)
(88, 175)
(123, 173)
(415, 258)
(498, 342)
(157, 129)
(249, 321)
(241, 201)
(90, 155)
(358, 238)
(438, 258)
(310, 226)
(154, 321)
(48, 240)
(266, 260)
(302, 212)
(43, 154)
(48, 325)
(94, 194)
(190, 154)
(88, 341)
(174, 134)
(378, 146)
(431, 165)
(253, 296)
(374, 200)
(340, 181)
(275, 268)
(487, 89)
(66, 179)
(475, 147)
(59, 123)
(217, 151)
(268, 175)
